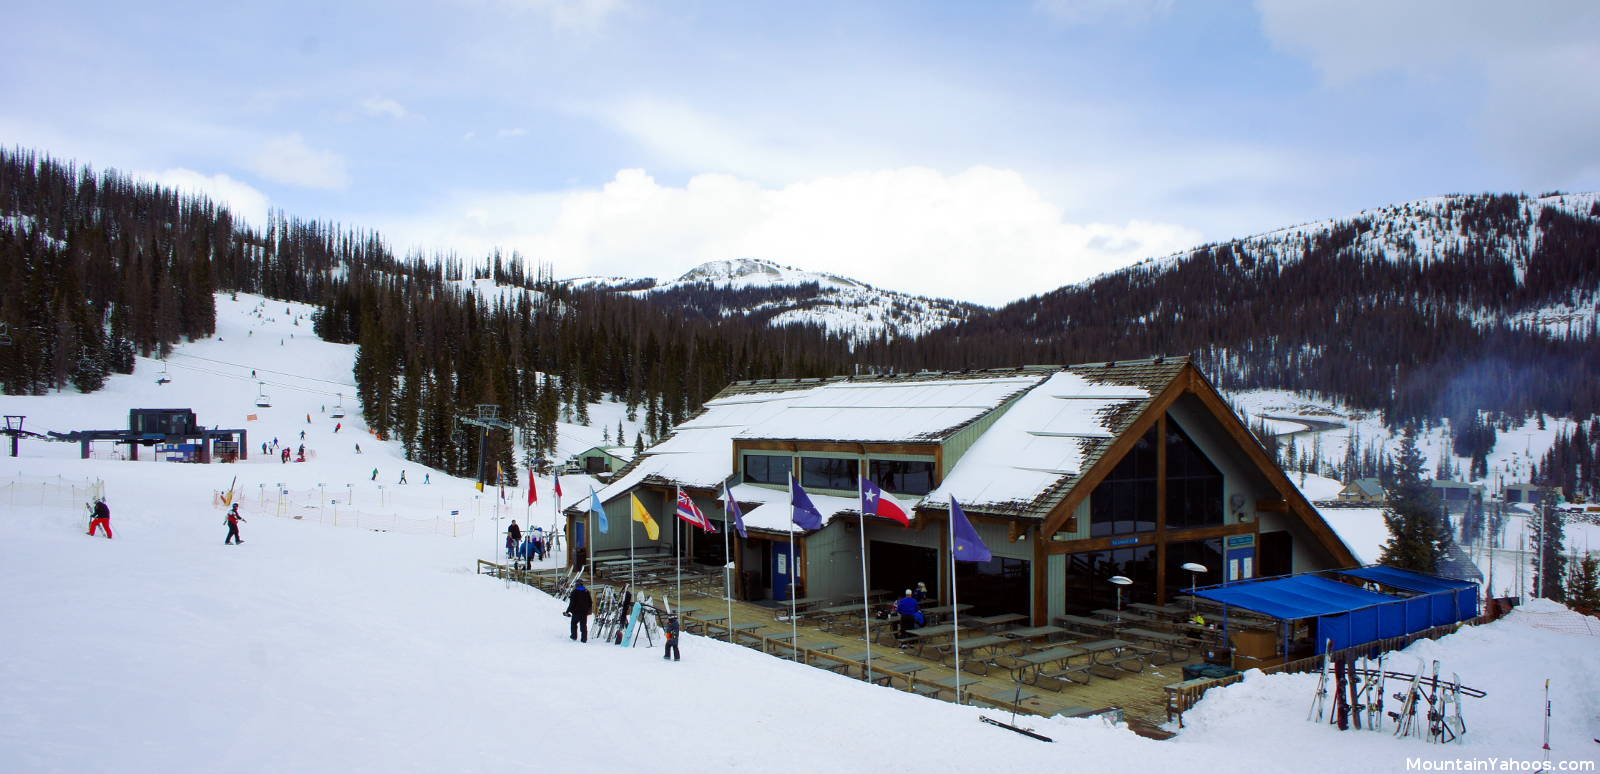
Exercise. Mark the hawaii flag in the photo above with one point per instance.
(690, 512)
(875, 502)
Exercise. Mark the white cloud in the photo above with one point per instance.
(517, 132)
(1536, 107)
(983, 235)
(287, 159)
(1087, 12)
(383, 106)
(245, 202)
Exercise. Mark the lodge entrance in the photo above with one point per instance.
(894, 567)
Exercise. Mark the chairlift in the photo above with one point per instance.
(261, 396)
(163, 379)
(338, 408)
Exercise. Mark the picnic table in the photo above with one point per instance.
(1118, 660)
(927, 634)
(1165, 611)
(969, 650)
(1034, 662)
(1008, 698)
(908, 671)
(747, 628)
(1084, 623)
(1032, 632)
(1171, 642)
(1124, 616)
(995, 621)
(939, 611)
(785, 639)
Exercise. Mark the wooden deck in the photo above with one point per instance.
(1140, 695)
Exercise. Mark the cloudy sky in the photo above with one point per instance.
(982, 150)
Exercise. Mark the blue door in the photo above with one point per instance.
(782, 568)
(577, 535)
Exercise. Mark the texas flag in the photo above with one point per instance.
(875, 502)
(557, 476)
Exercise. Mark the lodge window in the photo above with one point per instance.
(767, 468)
(1125, 502)
(903, 476)
(1207, 553)
(1194, 485)
(828, 473)
(1089, 573)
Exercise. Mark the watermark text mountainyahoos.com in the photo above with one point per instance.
(1495, 764)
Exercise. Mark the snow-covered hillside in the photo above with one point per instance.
(1429, 230)
(839, 305)
(347, 644)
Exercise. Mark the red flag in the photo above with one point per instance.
(533, 491)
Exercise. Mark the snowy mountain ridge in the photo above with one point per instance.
(782, 295)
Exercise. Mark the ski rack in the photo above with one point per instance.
(1424, 681)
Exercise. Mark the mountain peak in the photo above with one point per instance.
(756, 272)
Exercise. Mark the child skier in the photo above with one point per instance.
(232, 521)
(671, 630)
(101, 517)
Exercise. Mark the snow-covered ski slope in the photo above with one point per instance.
(323, 648)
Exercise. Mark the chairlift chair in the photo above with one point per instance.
(338, 408)
(162, 379)
(261, 396)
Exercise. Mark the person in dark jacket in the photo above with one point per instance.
(672, 628)
(514, 531)
(233, 526)
(101, 518)
(920, 592)
(579, 605)
(908, 609)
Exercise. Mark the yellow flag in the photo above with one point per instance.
(480, 486)
(643, 516)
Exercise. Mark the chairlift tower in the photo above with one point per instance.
(487, 419)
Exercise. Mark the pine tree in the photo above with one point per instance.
(1551, 562)
(1417, 532)
(1583, 586)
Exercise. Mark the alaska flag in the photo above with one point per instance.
(802, 511)
(596, 508)
(731, 508)
(968, 547)
(875, 502)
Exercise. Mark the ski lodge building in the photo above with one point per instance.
(1071, 475)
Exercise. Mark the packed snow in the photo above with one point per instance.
(321, 646)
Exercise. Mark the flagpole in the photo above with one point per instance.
(631, 558)
(677, 548)
(866, 604)
(727, 556)
(955, 606)
(794, 614)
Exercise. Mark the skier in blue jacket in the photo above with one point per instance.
(909, 610)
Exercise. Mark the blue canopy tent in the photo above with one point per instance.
(1348, 615)
(1450, 600)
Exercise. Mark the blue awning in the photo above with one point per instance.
(1406, 579)
(1299, 596)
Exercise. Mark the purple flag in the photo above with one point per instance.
(965, 539)
(803, 512)
(731, 507)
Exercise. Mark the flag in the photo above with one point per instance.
(643, 517)
(968, 547)
(533, 491)
(500, 479)
(730, 507)
(875, 502)
(596, 508)
(557, 476)
(479, 484)
(690, 512)
(801, 510)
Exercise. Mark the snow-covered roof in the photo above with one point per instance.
(773, 510)
(1036, 445)
(889, 411)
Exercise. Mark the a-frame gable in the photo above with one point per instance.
(1189, 380)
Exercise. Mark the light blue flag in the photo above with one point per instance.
(599, 510)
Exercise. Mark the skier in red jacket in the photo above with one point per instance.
(233, 526)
